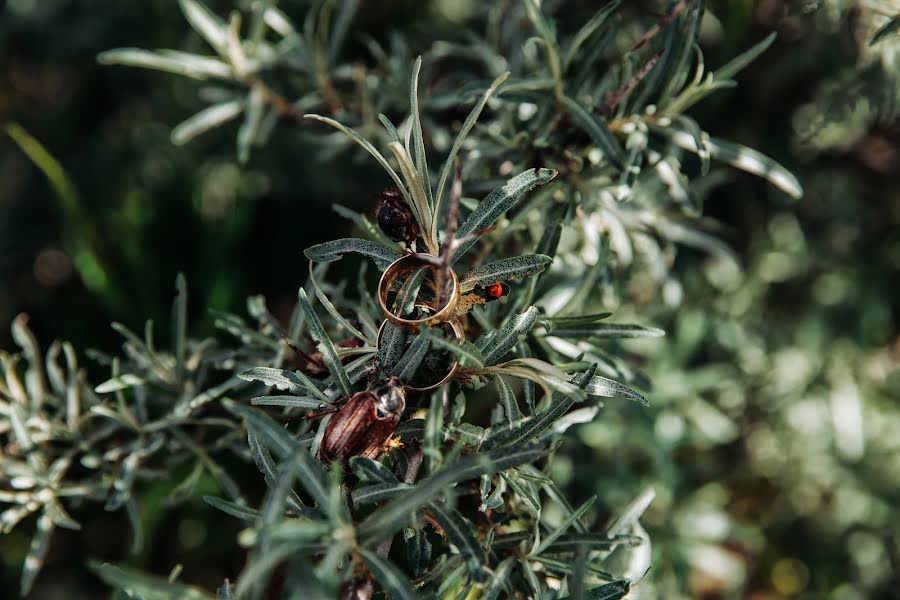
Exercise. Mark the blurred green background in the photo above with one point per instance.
(773, 438)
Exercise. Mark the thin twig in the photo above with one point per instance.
(614, 98)
(665, 20)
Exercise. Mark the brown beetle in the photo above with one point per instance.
(395, 218)
(365, 423)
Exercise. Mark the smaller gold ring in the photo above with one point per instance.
(457, 331)
(406, 264)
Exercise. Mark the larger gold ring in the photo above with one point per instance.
(457, 331)
(408, 264)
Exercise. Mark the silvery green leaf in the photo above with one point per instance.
(526, 493)
(37, 552)
(290, 402)
(743, 158)
(378, 492)
(226, 592)
(179, 325)
(463, 351)
(607, 330)
(535, 426)
(460, 534)
(737, 64)
(892, 26)
(170, 61)
(587, 30)
(392, 131)
(119, 383)
(367, 147)
(269, 433)
(508, 400)
(507, 269)
(390, 577)
(467, 126)
(631, 513)
(205, 120)
(508, 335)
(554, 323)
(206, 23)
(418, 199)
(597, 130)
(418, 149)
(267, 467)
(34, 375)
(339, 30)
(434, 433)
(253, 117)
(289, 381)
(324, 345)
(608, 388)
(146, 587)
(609, 591)
(418, 551)
(371, 470)
(570, 542)
(498, 202)
(391, 517)
(407, 366)
(498, 580)
(393, 343)
(563, 527)
(235, 510)
(335, 250)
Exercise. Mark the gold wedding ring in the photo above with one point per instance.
(457, 331)
(408, 264)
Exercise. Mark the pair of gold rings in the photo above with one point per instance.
(440, 311)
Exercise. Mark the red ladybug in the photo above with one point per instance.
(395, 218)
(492, 292)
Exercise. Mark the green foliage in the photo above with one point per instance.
(581, 171)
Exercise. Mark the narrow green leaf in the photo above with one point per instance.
(407, 366)
(368, 147)
(179, 325)
(608, 388)
(609, 591)
(418, 150)
(324, 344)
(207, 24)
(463, 351)
(146, 587)
(607, 330)
(392, 131)
(205, 120)
(391, 517)
(508, 400)
(570, 542)
(531, 429)
(467, 126)
(507, 269)
(597, 130)
(235, 510)
(498, 581)
(37, 552)
(290, 402)
(417, 200)
(390, 577)
(561, 529)
(378, 492)
(526, 493)
(371, 470)
(587, 30)
(508, 335)
(336, 249)
(171, 61)
(460, 534)
(418, 551)
(737, 64)
(290, 381)
(892, 26)
(248, 132)
(631, 513)
(745, 159)
(498, 202)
